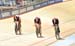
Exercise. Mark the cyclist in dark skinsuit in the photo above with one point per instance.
(37, 22)
(55, 22)
(17, 21)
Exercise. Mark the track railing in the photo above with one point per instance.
(24, 9)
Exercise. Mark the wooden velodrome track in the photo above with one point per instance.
(64, 11)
